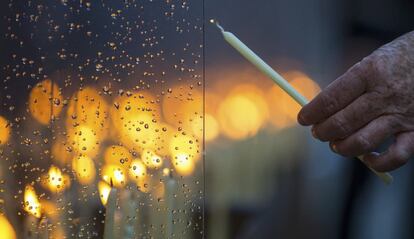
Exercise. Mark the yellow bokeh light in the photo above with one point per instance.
(151, 159)
(283, 106)
(4, 131)
(115, 174)
(87, 107)
(182, 106)
(84, 167)
(136, 118)
(185, 144)
(41, 101)
(118, 155)
(137, 170)
(212, 128)
(61, 152)
(6, 229)
(104, 189)
(31, 202)
(55, 180)
(242, 112)
(84, 140)
(183, 164)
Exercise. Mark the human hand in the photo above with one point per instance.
(371, 102)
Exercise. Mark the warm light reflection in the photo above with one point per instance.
(118, 155)
(136, 118)
(61, 152)
(285, 109)
(115, 174)
(4, 131)
(31, 202)
(55, 180)
(104, 190)
(151, 159)
(50, 209)
(183, 164)
(84, 167)
(87, 107)
(137, 170)
(185, 144)
(212, 129)
(6, 229)
(242, 112)
(84, 140)
(41, 102)
(182, 106)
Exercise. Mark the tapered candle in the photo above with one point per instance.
(109, 228)
(278, 79)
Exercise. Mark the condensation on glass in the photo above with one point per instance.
(101, 119)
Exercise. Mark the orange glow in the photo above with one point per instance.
(182, 106)
(84, 168)
(118, 155)
(185, 145)
(212, 129)
(104, 190)
(239, 117)
(31, 202)
(84, 140)
(137, 170)
(164, 134)
(61, 152)
(87, 107)
(151, 159)
(136, 119)
(50, 209)
(4, 131)
(114, 173)
(55, 180)
(41, 101)
(183, 164)
(6, 229)
(284, 108)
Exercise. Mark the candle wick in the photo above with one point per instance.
(213, 21)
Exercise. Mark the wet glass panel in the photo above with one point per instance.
(101, 119)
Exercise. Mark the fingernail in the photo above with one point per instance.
(301, 120)
(334, 147)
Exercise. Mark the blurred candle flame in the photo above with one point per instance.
(4, 130)
(104, 190)
(6, 229)
(31, 202)
(55, 180)
(114, 174)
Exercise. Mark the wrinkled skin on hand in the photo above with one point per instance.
(371, 102)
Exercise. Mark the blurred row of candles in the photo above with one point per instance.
(152, 132)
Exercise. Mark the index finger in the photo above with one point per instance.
(335, 96)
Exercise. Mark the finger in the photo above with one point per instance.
(347, 121)
(334, 97)
(396, 156)
(367, 138)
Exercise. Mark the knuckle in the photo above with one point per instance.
(329, 104)
(363, 143)
(340, 126)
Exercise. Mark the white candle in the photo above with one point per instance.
(170, 191)
(278, 79)
(109, 227)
